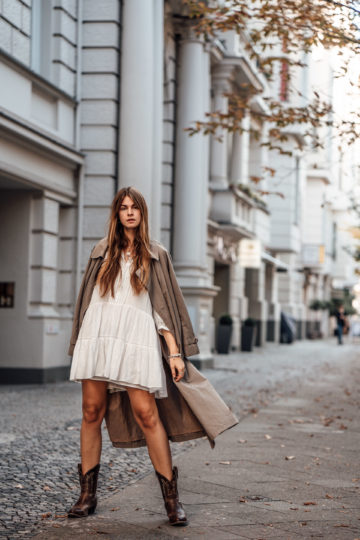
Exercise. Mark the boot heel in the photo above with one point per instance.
(92, 510)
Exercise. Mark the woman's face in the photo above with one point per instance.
(129, 213)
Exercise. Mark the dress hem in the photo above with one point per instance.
(121, 386)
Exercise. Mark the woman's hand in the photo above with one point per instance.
(177, 366)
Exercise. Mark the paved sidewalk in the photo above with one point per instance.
(290, 470)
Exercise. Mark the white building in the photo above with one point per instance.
(96, 96)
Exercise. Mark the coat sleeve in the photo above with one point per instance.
(77, 310)
(189, 340)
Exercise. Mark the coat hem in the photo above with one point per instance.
(172, 438)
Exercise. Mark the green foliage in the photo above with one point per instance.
(249, 322)
(345, 300)
(225, 319)
(316, 305)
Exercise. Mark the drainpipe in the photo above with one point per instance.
(80, 172)
(118, 97)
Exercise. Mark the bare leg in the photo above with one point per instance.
(94, 407)
(146, 415)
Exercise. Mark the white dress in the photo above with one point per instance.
(118, 340)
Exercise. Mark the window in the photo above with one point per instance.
(41, 37)
(284, 76)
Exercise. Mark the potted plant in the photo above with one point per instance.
(248, 334)
(224, 333)
(316, 305)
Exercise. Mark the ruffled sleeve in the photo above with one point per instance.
(159, 323)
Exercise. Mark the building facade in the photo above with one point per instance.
(97, 97)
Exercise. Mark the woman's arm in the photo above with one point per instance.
(177, 364)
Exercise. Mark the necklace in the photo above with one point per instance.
(128, 255)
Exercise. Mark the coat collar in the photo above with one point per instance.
(101, 247)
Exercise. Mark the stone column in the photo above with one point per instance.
(141, 103)
(273, 306)
(190, 181)
(239, 172)
(191, 190)
(255, 290)
(258, 155)
(219, 151)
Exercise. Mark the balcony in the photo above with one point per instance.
(234, 210)
(315, 257)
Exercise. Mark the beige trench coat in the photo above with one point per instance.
(193, 408)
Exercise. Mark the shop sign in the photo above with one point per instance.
(250, 253)
(7, 294)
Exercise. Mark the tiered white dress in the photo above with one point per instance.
(118, 340)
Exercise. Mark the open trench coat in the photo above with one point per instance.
(193, 408)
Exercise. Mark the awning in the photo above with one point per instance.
(280, 265)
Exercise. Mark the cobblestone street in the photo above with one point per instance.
(39, 429)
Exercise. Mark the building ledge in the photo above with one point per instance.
(30, 134)
(40, 81)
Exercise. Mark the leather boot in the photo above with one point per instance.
(174, 508)
(87, 501)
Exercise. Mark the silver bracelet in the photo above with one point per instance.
(178, 355)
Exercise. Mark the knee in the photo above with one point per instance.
(92, 413)
(147, 418)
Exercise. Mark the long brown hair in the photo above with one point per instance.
(117, 242)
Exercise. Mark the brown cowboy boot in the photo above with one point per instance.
(87, 501)
(174, 508)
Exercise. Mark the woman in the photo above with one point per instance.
(118, 340)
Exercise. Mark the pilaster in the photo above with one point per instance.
(221, 85)
(141, 101)
(240, 153)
